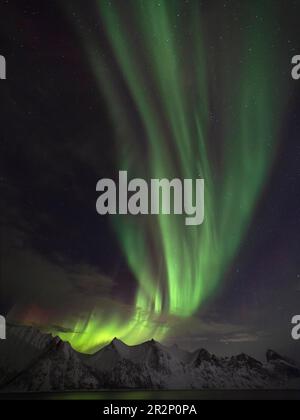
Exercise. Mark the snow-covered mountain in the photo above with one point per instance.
(33, 361)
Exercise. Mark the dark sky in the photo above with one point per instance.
(51, 235)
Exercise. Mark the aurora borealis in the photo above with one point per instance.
(178, 267)
(184, 89)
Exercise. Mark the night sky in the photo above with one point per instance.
(70, 271)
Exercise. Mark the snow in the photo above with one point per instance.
(32, 361)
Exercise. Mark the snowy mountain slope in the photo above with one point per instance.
(49, 364)
(22, 347)
(58, 369)
(282, 366)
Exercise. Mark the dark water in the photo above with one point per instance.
(159, 395)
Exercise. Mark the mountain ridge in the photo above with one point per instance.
(47, 363)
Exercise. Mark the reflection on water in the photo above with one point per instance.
(161, 395)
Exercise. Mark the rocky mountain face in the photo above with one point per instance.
(33, 361)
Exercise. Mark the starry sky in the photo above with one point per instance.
(94, 89)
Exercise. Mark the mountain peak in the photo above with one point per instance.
(116, 340)
(149, 342)
(272, 355)
(202, 355)
(118, 345)
(245, 359)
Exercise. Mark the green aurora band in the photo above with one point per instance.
(180, 94)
